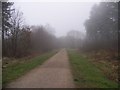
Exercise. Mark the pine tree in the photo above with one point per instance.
(6, 14)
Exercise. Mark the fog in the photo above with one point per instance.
(54, 33)
(62, 16)
(50, 25)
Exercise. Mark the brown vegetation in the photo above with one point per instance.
(106, 61)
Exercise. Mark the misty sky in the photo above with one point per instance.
(63, 16)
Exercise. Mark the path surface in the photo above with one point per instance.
(54, 73)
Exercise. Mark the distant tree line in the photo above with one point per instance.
(73, 40)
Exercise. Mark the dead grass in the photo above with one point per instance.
(106, 61)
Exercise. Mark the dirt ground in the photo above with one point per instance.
(54, 73)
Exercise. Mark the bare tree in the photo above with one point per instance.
(74, 38)
(16, 21)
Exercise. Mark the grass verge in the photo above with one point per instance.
(13, 71)
(106, 61)
(86, 74)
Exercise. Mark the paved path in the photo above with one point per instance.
(54, 73)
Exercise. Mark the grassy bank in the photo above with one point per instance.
(86, 74)
(106, 61)
(20, 67)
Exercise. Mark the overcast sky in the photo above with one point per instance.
(63, 16)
